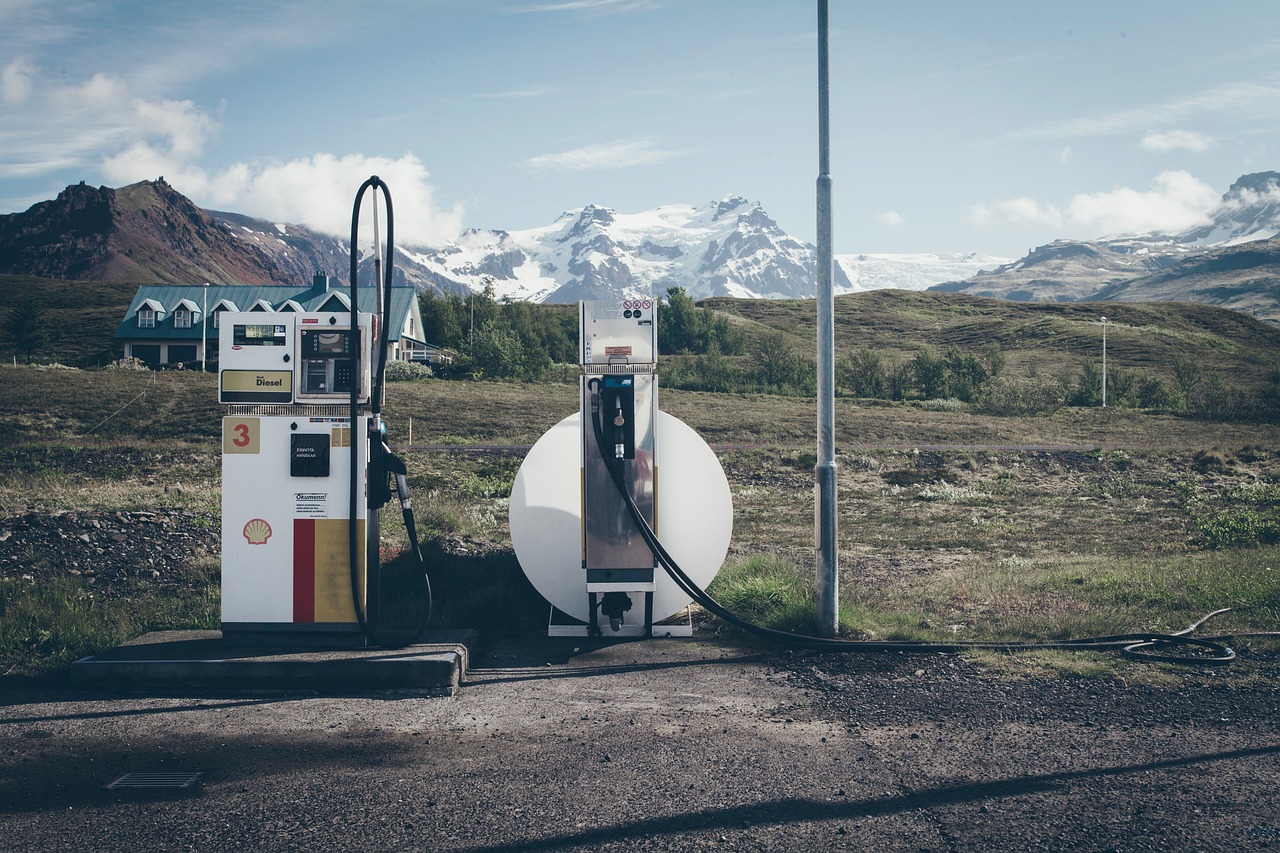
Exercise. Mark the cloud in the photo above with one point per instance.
(891, 219)
(1229, 97)
(1018, 211)
(16, 82)
(316, 191)
(1176, 140)
(1065, 155)
(99, 123)
(1175, 202)
(603, 157)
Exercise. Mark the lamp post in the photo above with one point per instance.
(825, 469)
(204, 326)
(1104, 362)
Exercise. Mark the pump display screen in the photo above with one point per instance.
(316, 342)
(258, 335)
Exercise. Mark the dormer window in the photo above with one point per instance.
(223, 305)
(149, 310)
(182, 319)
(336, 302)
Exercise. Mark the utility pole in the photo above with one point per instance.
(825, 470)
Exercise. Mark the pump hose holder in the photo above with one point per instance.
(382, 462)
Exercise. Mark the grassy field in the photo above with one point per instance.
(1035, 337)
(952, 524)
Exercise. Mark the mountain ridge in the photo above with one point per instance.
(1169, 267)
(148, 231)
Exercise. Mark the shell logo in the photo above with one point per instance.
(257, 531)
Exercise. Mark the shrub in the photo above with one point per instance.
(1008, 397)
(407, 371)
(126, 364)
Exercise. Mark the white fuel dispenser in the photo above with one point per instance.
(287, 440)
(571, 528)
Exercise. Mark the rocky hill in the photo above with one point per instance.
(150, 232)
(1231, 262)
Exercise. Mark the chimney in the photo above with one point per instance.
(320, 283)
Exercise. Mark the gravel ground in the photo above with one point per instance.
(113, 551)
(662, 745)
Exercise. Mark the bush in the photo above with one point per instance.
(407, 371)
(1009, 397)
(126, 364)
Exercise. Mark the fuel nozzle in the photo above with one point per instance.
(614, 605)
(619, 421)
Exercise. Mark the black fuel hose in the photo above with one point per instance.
(388, 462)
(1141, 645)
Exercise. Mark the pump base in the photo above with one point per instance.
(316, 635)
(574, 628)
(180, 662)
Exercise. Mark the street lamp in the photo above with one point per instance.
(204, 326)
(1104, 362)
(825, 470)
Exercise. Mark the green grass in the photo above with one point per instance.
(49, 624)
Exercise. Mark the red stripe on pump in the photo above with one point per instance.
(304, 570)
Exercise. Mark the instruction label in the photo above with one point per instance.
(311, 505)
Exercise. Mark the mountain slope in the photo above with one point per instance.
(142, 232)
(1197, 265)
(1241, 276)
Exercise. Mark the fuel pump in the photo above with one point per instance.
(289, 442)
(618, 343)
(572, 530)
(305, 470)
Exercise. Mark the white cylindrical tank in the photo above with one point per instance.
(694, 515)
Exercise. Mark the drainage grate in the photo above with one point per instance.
(133, 781)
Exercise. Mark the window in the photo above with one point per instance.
(146, 317)
(182, 319)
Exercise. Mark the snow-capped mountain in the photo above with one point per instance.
(726, 248)
(1250, 210)
(1122, 267)
(916, 271)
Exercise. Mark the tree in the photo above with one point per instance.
(863, 374)
(930, 374)
(965, 375)
(678, 324)
(778, 365)
(1088, 390)
(497, 351)
(25, 327)
(994, 358)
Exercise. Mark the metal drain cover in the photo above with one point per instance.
(134, 781)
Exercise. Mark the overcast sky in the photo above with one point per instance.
(956, 126)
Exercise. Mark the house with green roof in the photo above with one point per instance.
(178, 323)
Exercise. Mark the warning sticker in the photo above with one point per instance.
(311, 504)
(617, 350)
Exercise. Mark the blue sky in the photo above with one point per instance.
(977, 126)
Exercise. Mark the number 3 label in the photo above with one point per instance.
(240, 435)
